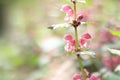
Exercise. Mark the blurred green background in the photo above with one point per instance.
(30, 51)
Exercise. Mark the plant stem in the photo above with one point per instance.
(76, 39)
(78, 56)
(77, 44)
(74, 10)
(81, 67)
(75, 27)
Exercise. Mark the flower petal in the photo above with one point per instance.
(86, 36)
(68, 48)
(67, 9)
(72, 42)
(67, 37)
(82, 41)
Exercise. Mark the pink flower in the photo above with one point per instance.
(70, 13)
(84, 39)
(67, 9)
(107, 62)
(79, 76)
(108, 37)
(70, 46)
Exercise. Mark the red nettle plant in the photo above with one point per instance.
(80, 45)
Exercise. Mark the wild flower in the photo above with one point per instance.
(83, 41)
(74, 19)
(70, 13)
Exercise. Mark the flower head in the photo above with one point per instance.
(83, 41)
(70, 13)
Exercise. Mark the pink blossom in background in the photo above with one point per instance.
(107, 36)
(79, 76)
(111, 62)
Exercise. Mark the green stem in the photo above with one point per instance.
(74, 10)
(76, 39)
(81, 67)
(78, 56)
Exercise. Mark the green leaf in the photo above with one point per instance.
(55, 26)
(115, 33)
(114, 51)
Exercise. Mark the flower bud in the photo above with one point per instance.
(79, 18)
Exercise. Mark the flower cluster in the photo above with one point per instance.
(83, 41)
(79, 76)
(70, 13)
(111, 63)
